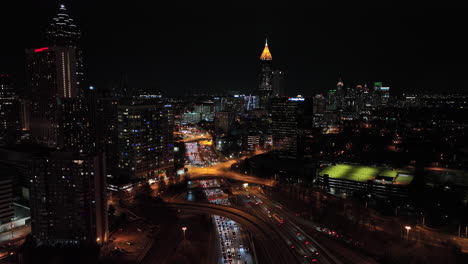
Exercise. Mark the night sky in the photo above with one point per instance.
(182, 49)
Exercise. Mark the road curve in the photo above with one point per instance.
(269, 241)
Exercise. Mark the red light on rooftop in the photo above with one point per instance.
(40, 49)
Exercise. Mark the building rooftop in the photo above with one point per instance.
(363, 173)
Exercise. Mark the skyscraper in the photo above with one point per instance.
(145, 140)
(10, 111)
(51, 75)
(287, 119)
(265, 88)
(63, 32)
(68, 198)
(278, 84)
(223, 121)
(6, 87)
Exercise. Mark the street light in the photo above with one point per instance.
(183, 229)
(408, 228)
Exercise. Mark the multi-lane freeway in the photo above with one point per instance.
(305, 248)
(270, 245)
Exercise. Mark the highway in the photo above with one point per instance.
(273, 248)
(234, 242)
(305, 248)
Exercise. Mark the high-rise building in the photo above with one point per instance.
(251, 141)
(63, 32)
(223, 121)
(265, 88)
(10, 111)
(206, 109)
(319, 110)
(278, 84)
(66, 192)
(381, 94)
(51, 76)
(75, 124)
(68, 198)
(145, 140)
(51, 72)
(287, 118)
(107, 132)
(6, 87)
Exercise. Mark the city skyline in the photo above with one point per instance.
(201, 133)
(407, 50)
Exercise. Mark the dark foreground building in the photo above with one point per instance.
(67, 194)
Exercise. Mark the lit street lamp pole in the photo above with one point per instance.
(11, 227)
(408, 228)
(183, 229)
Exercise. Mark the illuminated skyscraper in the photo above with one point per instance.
(287, 124)
(265, 87)
(51, 72)
(145, 140)
(62, 31)
(50, 75)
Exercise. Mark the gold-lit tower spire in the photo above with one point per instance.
(266, 54)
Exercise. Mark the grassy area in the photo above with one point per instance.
(364, 173)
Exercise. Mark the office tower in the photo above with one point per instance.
(380, 95)
(191, 118)
(63, 32)
(107, 132)
(265, 88)
(145, 140)
(6, 87)
(67, 197)
(376, 94)
(223, 121)
(251, 141)
(340, 95)
(252, 102)
(319, 104)
(10, 111)
(206, 109)
(287, 119)
(278, 84)
(51, 75)
(351, 99)
(384, 95)
(75, 125)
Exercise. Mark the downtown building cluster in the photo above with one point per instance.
(64, 145)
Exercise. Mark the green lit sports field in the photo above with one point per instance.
(364, 173)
